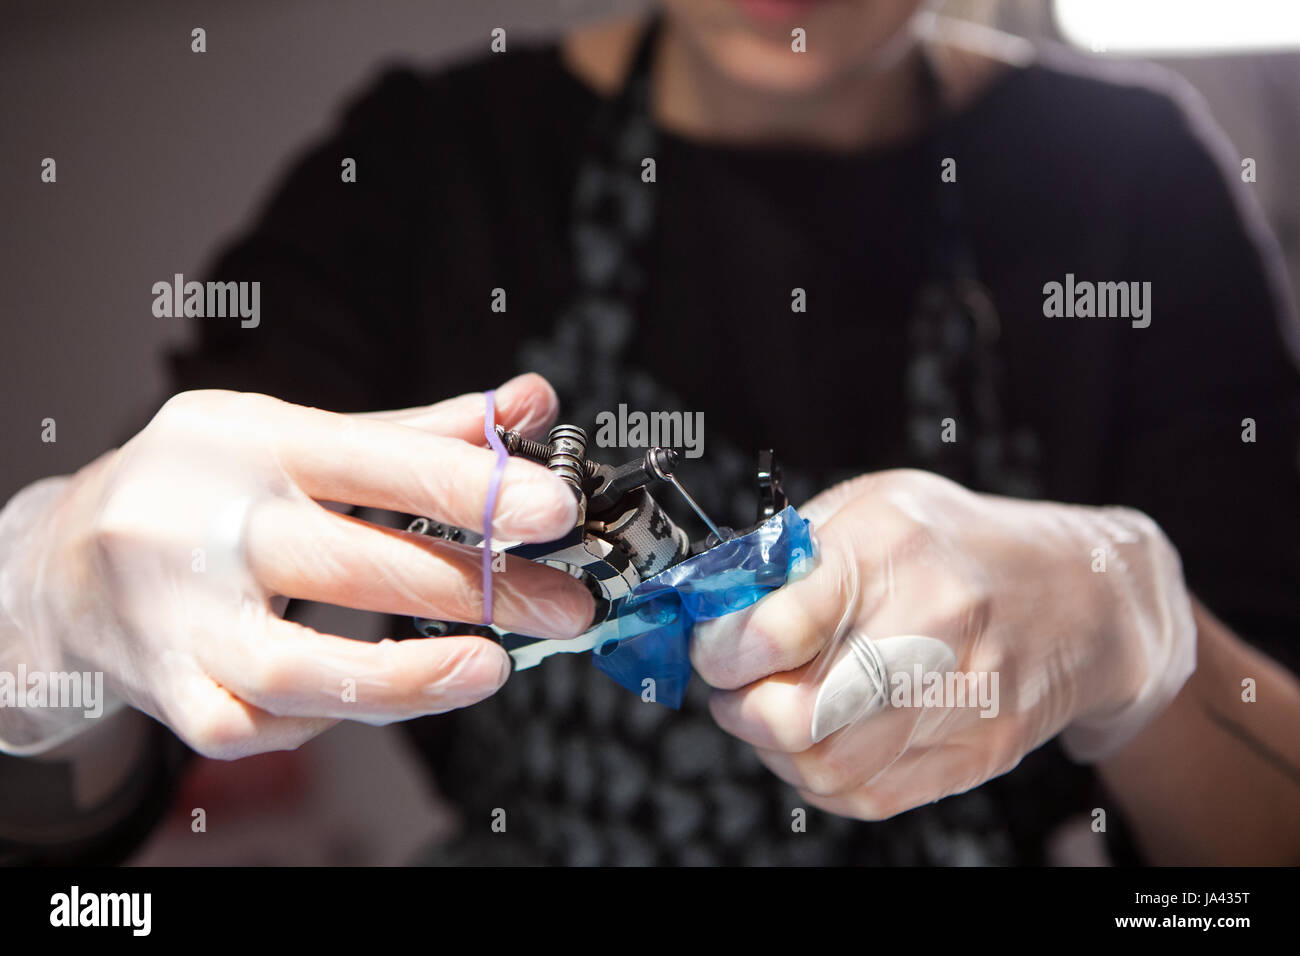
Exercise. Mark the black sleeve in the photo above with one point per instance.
(336, 263)
(1217, 361)
(43, 823)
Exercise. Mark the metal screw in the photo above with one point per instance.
(661, 462)
(540, 452)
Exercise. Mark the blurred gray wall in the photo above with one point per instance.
(162, 154)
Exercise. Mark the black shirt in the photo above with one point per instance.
(378, 293)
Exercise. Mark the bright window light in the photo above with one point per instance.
(1174, 27)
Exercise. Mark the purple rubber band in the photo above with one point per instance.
(490, 506)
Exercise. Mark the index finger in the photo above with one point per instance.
(383, 464)
(526, 404)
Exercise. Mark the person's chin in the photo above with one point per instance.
(771, 68)
(751, 41)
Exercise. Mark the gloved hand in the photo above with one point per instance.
(164, 564)
(919, 576)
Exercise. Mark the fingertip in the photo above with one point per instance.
(492, 667)
(507, 668)
(475, 669)
(527, 404)
(534, 505)
(569, 610)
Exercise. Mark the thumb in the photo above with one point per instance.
(857, 685)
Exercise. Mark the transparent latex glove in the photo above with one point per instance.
(165, 565)
(919, 581)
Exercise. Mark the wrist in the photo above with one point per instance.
(1146, 632)
(40, 579)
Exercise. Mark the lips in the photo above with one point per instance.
(777, 10)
